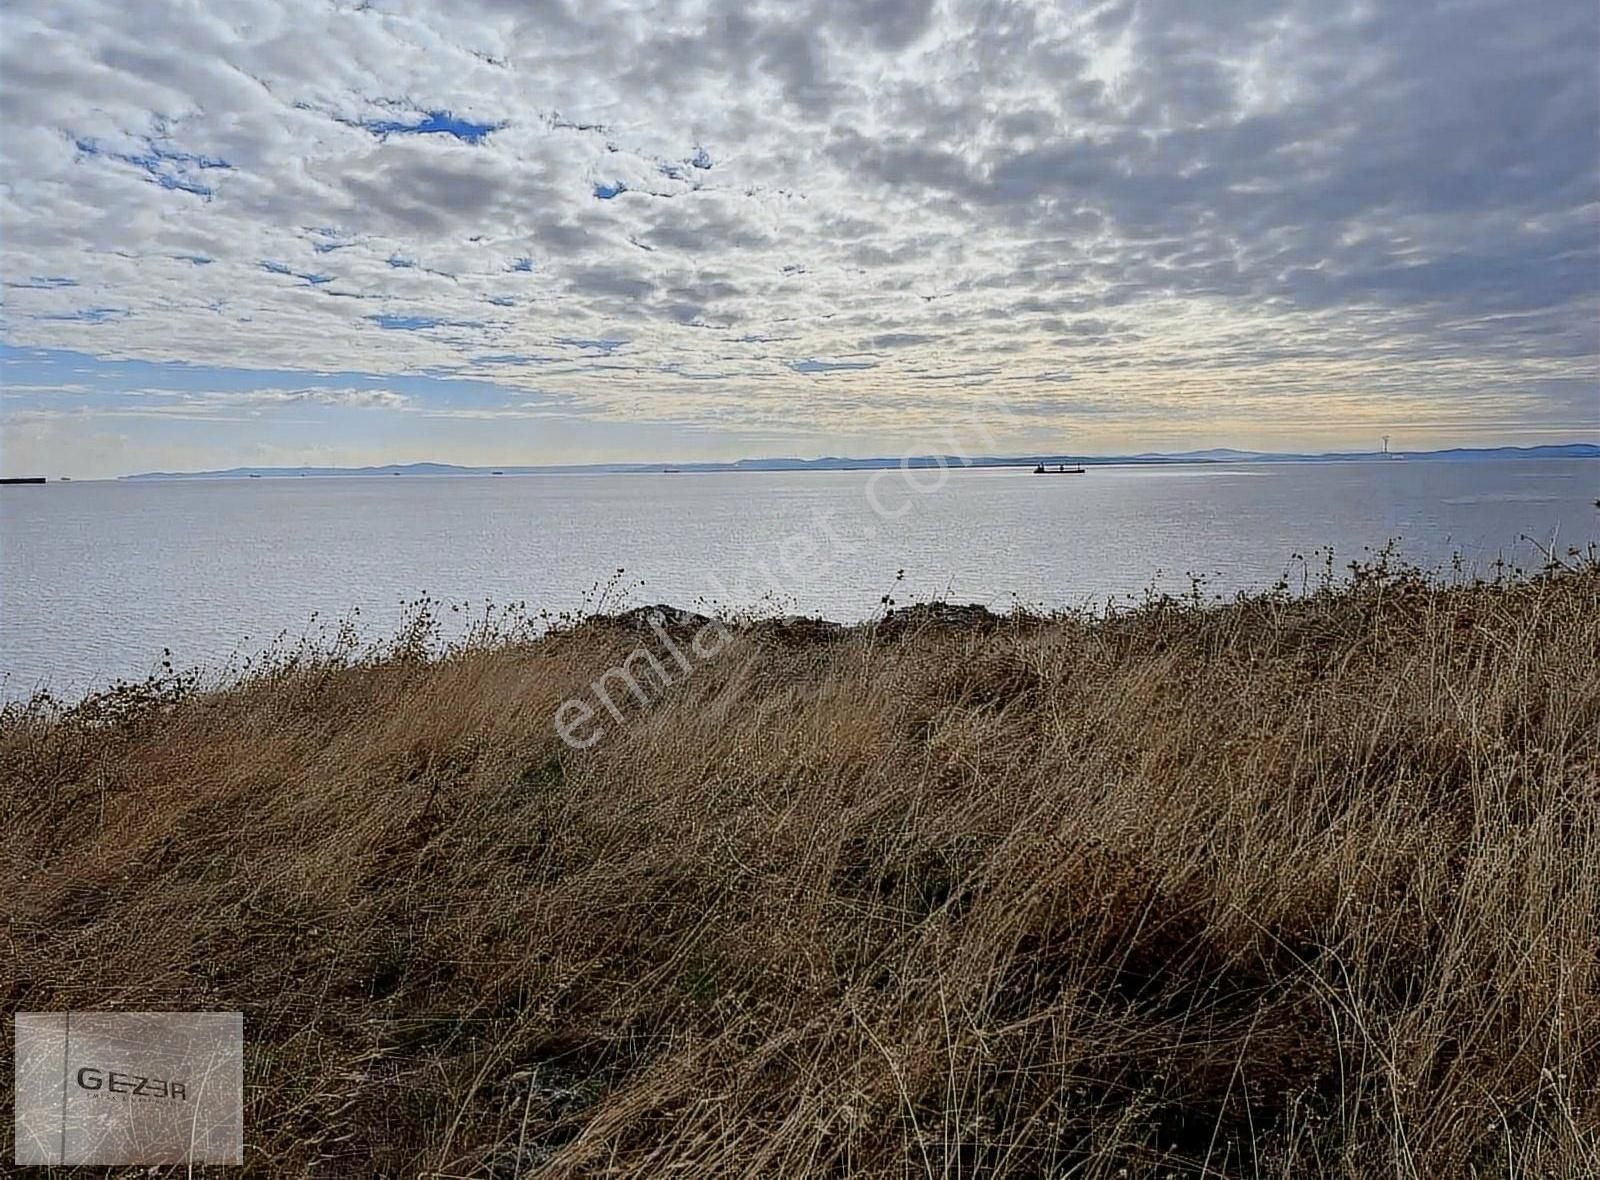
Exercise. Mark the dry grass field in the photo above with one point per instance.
(1290, 886)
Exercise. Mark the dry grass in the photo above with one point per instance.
(1275, 888)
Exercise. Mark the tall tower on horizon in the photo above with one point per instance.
(1386, 446)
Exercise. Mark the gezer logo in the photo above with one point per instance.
(132, 1084)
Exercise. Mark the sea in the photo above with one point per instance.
(105, 580)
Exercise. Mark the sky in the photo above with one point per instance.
(252, 233)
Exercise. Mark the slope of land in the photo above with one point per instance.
(1284, 887)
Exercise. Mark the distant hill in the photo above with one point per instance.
(838, 463)
(284, 472)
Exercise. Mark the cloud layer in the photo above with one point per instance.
(1131, 222)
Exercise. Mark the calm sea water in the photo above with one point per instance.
(97, 578)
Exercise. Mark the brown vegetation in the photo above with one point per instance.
(1284, 887)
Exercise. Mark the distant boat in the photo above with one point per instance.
(497, 473)
(24, 479)
(1058, 469)
(669, 471)
(253, 475)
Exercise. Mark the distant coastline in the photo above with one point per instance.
(836, 463)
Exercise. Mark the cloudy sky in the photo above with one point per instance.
(265, 233)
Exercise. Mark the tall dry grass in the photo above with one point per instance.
(1292, 886)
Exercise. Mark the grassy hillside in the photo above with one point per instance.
(1282, 887)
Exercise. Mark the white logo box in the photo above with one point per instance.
(105, 1088)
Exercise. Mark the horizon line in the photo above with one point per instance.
(1197, 454)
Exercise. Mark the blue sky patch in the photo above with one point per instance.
(522, 265)
(315, 279)
(434, 123)
(405, 323)
(328, 240)
(675, 170)
(44, 283)
(815, 366)
(608, 191)
(419, 323)
(163, 165)
(89, 315)
(112, 378)
(606, 347)
(402, 262)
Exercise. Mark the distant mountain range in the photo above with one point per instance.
(834, 463)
